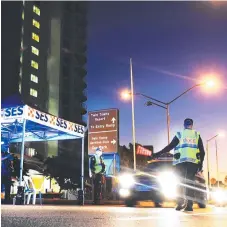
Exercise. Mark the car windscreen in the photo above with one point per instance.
(158, 166)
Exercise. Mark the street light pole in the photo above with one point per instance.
(133, 117)
(164, 105)
(208, 166)
(183, 93)
(167, 105)
(216, 147)
(168, 122)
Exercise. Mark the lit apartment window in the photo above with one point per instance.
(20, 73)
(20, 87)
(36, 10)
(23, 15)
(33, 92)
(35, 23)
(34, 64)
(35, 37)
(34, 78)
(35, 51)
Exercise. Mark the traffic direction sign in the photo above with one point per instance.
(103, 130)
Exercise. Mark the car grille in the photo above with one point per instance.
(146, 180)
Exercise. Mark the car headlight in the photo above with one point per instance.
(126, 180)
(124, 192)
(220, 196)
(168, 182)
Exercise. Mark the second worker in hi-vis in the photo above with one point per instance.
(97, 167)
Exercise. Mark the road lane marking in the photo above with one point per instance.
(139, 218)
(206, 214)
(161, 216)
(179, 214)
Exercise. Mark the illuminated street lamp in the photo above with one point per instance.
(220, 134)
(210, 83)
(126, 95)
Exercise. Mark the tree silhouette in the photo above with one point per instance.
(66, 167)
(16, 165)
(127, 159)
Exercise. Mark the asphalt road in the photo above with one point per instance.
(110, 216)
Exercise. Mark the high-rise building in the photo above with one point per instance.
(11, 38)
(33, 84)
(43, 59)
(25, 43)
(73, 59)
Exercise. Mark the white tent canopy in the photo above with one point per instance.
(26, 124)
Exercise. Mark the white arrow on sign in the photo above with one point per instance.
(113, 120)
(113, 141)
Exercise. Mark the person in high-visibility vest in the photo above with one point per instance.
(188, 160)
(97, 167)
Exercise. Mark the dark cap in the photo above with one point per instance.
(188, 121)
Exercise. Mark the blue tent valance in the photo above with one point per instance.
(40, 126)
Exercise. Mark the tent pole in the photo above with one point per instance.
(22, 153)
(114, 173)
(82, 169)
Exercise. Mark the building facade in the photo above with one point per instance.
(44, 59)
(33, 84)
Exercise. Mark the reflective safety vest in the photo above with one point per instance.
(98, 163)
(187, 147)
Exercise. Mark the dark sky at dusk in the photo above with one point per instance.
(183, 38)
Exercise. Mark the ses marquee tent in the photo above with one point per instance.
(26, 124)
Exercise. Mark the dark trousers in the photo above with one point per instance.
(97, 187)
(6, 180)
(187, 172)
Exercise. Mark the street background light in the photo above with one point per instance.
(220, 134)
